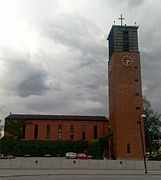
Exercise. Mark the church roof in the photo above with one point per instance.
(55, 117)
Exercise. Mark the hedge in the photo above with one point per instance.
(155, 156)
(40, 148)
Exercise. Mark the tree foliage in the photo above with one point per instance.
(152, 126)
(97, 146)
(15, 127)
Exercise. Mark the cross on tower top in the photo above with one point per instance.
(121, 19)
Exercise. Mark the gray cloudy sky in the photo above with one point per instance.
(53, 54)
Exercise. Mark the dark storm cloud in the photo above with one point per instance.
(35, 81)
(23, 77)
(34, 84)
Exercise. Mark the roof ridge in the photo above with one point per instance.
(56, 117)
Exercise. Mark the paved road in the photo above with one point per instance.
(71, 174)
(84, 177)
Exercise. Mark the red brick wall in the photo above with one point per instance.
(102, 129)
(122, 105)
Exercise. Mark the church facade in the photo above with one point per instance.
(125, 125)
(61, 127)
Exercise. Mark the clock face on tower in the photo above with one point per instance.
(127, 60)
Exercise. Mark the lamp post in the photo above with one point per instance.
(0, 138)
(142, 141)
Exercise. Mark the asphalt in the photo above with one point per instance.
(37, 172)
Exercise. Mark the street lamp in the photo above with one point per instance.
(0, 138)
(142, 141)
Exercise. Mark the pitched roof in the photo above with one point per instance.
(55, 117)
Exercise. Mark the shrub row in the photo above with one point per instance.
(40, 148)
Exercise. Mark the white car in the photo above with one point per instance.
(71, 155)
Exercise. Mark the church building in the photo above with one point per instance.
(124, 126)
(61, 127)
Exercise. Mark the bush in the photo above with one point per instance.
(151, 157)
(96, 147)
(40, 148)
(156, 156)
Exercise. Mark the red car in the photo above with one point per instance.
(83, 156)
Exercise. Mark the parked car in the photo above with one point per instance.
(71, 155)
(83, 156)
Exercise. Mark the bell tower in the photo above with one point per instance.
(125, 92)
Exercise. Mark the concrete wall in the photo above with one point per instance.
(61, 163)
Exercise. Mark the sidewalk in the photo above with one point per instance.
(36, 172)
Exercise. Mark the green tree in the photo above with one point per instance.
(152, 126)
(15, 127)
(96, 147)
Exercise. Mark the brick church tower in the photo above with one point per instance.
(125, 93)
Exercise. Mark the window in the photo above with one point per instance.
(128, 148)
(137, 108)
(83, 133)
(59, 132)
(95, 132)
(48, 132)
(136, 80)
(71, 132)
(24, 131)
(36, 131)
(126, 40)
(137, 94)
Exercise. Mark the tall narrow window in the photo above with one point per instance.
(136, 80)
(59, 132)
(83, 133)
(71, 132)
(95, 132)
(48, 131)
(126, 40)
(24, 131)
(36, 131)
(128, 148)
(137, 94)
